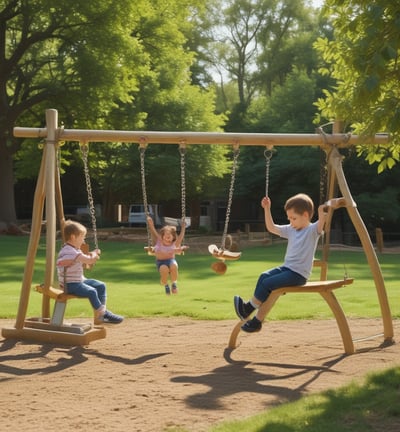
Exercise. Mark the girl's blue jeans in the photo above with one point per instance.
(277, 277)
(92, 289)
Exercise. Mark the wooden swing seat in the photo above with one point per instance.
(54, 329)
(324, 288)
(55, 293)
(223, 254)
(178, 251)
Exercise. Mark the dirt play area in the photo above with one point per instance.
(177, 374)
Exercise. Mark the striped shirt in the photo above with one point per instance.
(73, 272)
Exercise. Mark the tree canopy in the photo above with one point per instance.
(363, 58)
(196, 65)
(102, 64)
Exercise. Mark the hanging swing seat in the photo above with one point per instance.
(178, 251)
(223, 254)
(324, 288)
(149, 250)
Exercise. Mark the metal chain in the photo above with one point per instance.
(142, 151)
(182, 151)
(230, 196)
(92, 211)
(268, 157)
(323, 177)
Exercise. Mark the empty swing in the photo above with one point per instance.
(182, 151)
(224, 253)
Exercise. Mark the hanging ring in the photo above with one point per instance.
(268, 153)
(182, 146)
(142, 143)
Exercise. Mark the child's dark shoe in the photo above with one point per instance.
(252, 326)
(242, 309)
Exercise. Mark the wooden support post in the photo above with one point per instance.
(335, 159)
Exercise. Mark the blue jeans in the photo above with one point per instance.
(277, 277)
(92, 289)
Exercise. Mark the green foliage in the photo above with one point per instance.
(103, 65)
(289, 109)
(363, 60)
(257, 45)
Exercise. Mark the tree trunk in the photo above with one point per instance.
(7, 198)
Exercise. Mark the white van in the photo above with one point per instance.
(137, 214)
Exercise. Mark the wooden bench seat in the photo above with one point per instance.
(54, 330)
(54, 293)
(324, 288)
(60, 304)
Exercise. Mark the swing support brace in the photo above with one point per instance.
(48, 190)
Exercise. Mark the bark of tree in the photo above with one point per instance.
(7, 206)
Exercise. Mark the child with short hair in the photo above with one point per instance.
(167, 244)
(302, 236)
(70, 263)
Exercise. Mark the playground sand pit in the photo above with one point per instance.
(177, 374)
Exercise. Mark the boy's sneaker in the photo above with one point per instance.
(174, 288)
(252, 326)
(109, 318)
(243, 310)
(167, 290)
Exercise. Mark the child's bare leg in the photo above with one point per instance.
(255, 302)
(174, 272)
(164, 273)
(174, 278)
(261, 311)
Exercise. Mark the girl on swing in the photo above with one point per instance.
(167, 244)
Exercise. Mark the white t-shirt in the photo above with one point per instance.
(301, 247)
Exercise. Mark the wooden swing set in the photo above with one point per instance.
(48, 190)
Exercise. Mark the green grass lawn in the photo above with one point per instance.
(369, 406)
(134, 289)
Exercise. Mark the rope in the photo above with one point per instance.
(231, 188)
(92, 211)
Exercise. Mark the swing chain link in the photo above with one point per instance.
(142, 151)
(182, 151)
(92, 211)
(230, 196)
(268, 157)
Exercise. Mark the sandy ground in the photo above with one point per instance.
(165, 374)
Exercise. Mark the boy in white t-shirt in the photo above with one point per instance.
(302, 236)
